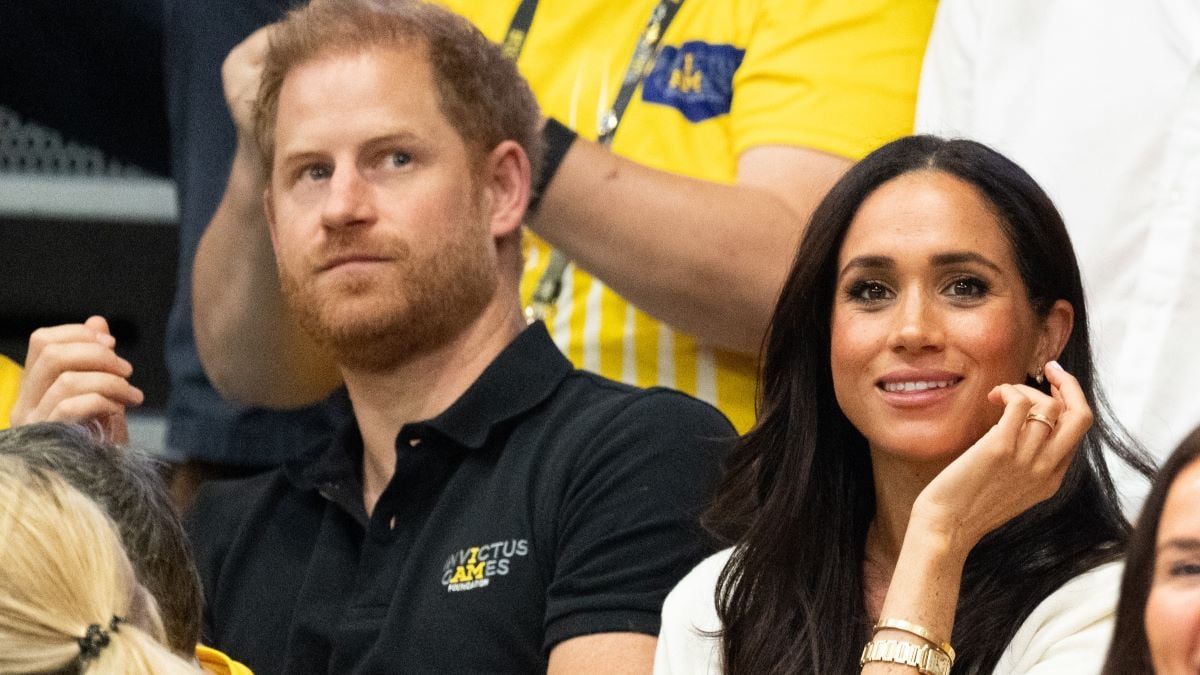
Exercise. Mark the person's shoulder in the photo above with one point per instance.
(217, 663)
(693, 600)
(689, 641)
(607, 398)
(235, 494)
(222, 507)
(1093, 592)
(1071, 628)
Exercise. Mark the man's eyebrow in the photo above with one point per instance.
(960, 257)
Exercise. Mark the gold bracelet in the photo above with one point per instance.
(926, 659)
(919, 631)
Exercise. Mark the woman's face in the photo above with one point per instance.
(929, 314)
(1173, 607)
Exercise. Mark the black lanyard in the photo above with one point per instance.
(549, 285)
(639, 66)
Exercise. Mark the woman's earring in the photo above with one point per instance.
(1040, 377)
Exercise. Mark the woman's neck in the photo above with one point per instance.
(898, 482)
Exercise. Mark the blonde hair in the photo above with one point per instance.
(63, 575)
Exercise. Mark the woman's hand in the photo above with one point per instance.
(1017, 464)
(73, 374)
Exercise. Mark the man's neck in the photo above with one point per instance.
(421, 388)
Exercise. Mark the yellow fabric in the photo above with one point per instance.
(213, 661)
(830, 75)
(10, 382)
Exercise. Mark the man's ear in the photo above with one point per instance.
(1056, 330)
(506, 176)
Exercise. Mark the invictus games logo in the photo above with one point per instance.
(475, 567)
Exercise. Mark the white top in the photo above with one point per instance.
(1100, 101)
(1068, 632)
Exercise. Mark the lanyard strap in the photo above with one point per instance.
(518, 28)
(549, 285)
(639, 66)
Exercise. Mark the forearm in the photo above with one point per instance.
(252, 349)
(923, 591)
(705, 258)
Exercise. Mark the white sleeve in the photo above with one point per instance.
(944, 99)
(688, 643)
(1069, 631)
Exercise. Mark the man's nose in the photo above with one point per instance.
(349, 200)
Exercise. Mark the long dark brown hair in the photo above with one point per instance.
(1129, 653)
(798, 493)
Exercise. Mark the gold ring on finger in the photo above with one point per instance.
(1037, 417)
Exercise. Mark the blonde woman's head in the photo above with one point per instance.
(69, 599)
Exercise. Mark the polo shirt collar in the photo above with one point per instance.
(523, 375)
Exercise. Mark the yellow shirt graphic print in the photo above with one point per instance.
(822, 74)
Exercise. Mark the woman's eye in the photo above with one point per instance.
(967, 287)
(1185, 569)
(869, 291)
(399, 158)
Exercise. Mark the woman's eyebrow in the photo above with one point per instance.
(1181, 544)
(960, 257)
(873, 262)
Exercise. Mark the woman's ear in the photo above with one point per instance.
(1056, 330)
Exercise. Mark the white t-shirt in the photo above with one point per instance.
(1068, 632)
(1099, 100)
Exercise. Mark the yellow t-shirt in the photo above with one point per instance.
(213, 661)
(830, 75)
(10, 382)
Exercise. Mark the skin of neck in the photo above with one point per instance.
(425, 385)
(898, 482)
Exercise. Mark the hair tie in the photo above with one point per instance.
(96, 638)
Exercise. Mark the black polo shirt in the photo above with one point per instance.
(544, 504)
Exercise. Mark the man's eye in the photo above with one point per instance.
(399, 158)
(316, 172)
(868, 291)
(968, 287)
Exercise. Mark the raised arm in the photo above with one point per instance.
(252, 349)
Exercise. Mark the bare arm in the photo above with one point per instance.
(252, 349)
(603, 653)
(706, 258)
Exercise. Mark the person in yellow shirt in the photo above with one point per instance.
(10, 383)
(679, 210)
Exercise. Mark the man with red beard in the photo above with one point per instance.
(486, 507)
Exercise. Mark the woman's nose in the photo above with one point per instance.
(917, 324)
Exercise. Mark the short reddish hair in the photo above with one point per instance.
(479, 90)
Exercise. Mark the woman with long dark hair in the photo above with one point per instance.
(926, 482)
(1158, 615)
